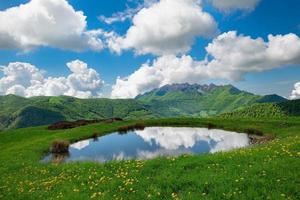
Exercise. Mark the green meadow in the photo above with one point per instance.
(261, 171)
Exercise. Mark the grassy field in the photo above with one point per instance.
(267, 171)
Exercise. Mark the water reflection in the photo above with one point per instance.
(173, 138)
(81, 145)
(154, 142)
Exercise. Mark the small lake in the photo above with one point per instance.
(153, 142)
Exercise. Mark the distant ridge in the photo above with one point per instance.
(185, 87)
(267, 110)
(176, 100)
(200, 100)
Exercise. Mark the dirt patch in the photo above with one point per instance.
(260, 139)
(68, 125)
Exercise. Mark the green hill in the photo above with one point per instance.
(168, 101)
(200, 100)
(267, 110)
(34, 116)
(18, 112)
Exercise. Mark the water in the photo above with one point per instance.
(153, 142)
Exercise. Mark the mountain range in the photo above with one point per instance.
(174, 100)
(200, 100)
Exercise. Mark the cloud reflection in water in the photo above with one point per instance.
(153, 142)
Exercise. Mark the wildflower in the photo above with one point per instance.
(93, 195)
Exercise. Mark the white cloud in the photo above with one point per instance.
(119, 16)
(18, 76)
(52, 23)
(234, 55)
(26, 80)
(168, 26)
(296, 92)
(232, 5)
(164, 70)
(128, 13)
(229, 56)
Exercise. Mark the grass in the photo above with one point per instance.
(265, 171)
(252, 131)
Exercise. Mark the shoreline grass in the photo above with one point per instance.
(265, 171)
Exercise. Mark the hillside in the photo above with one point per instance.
(200, 100)
(168, 101)
(17, 112)
(267, 110)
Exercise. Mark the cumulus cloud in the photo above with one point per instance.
(52, 23)
(229, 56)
(167, 26)
(164, 70)
(296, 92)
(232, 5)
(234, 55)
(26, 80)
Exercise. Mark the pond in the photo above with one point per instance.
(153, 142)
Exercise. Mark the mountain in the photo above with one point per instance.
(200, 100)
(168, 101)
(267, 110)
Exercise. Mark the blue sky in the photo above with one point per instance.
(274, 17)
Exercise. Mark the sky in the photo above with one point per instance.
(122, 48)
